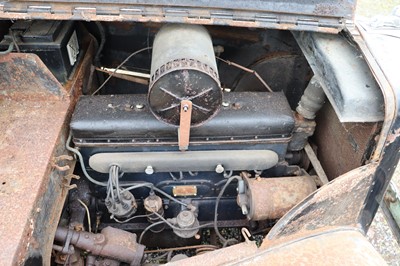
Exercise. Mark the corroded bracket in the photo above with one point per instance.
(184, 124)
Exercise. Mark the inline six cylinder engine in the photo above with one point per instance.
(132, 144)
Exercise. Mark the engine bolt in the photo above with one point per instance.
(127, 196)
(219, 169)
(149, 170)
(139, 106)
(225, 104)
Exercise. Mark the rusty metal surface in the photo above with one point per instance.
(303, 129)
(387, 150)
(338, 203)
(184, 124)
(34, 108)
(34, 169)
(334, 247)
(37, 84)
(76, 209)
(356, 142)
(337, 247)
(360, 36)
(111, 243)
(321, 175)
(271, 198)
(221, 256)
(325, 16)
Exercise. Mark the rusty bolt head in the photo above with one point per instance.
(78, 227)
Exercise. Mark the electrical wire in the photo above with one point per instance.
(233, 240)
(174, 177)
(88, 214)
(151, 186)
(160, 256)
(114, 170)
(14, 41)
(169, 256)
(223, 181)
(102, 42)
(111, 188)
(247, 70)
(163, 220)
(223, 239)
(9, 49)
(181, 248)
(178, 228)
(147, 229)
(94, 181)
(119, 66)
(79, 155)
(228, 174)
(130, 219)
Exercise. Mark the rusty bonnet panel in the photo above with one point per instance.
(322, 15)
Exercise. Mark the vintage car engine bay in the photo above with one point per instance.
(192, 138)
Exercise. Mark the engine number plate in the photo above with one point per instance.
(184, 191)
